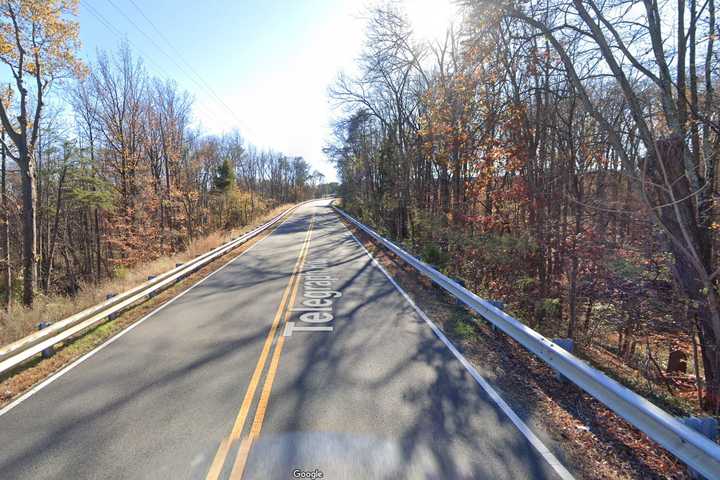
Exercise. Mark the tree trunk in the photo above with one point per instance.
(54, 233)
(689, 245)
(573, 295)
(98, 256)
(5, 236)
(29, 196)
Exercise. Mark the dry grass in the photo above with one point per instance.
(52, 308)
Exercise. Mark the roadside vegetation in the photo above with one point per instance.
(57, 306)
(560, 157)
(594, 441)
(105, 179)
(19, 380)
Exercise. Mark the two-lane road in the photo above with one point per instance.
(299, 356)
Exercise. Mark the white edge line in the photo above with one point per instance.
(88, 355)
(492, 393)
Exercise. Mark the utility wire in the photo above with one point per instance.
(180, 67)
(102, 19)
(155, 44)
(182, 59)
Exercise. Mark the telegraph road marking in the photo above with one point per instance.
(319, 296)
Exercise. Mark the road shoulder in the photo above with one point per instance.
(591, 440)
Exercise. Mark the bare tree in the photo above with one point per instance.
(39, 45)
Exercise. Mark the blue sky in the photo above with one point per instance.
(269, 62)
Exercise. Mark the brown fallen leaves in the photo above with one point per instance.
(595, 442)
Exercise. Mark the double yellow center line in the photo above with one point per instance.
(288, 299)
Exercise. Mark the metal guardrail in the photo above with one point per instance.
(691, 447)
(26, 348)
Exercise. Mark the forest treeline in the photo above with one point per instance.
(102, 168)
(560, 156)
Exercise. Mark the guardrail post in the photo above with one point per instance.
(497, 304)
(460, 282)
(180, 278)
(707, 426)
(151, 294)
(500, 305)
(112, 316)
(50, 351)
(568, 345)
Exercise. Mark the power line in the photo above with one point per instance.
(182, 59)
(180, 67)
(154, 43)
(100, 17)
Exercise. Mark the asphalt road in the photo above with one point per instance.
(300, 356)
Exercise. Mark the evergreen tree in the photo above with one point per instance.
(225, 177)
